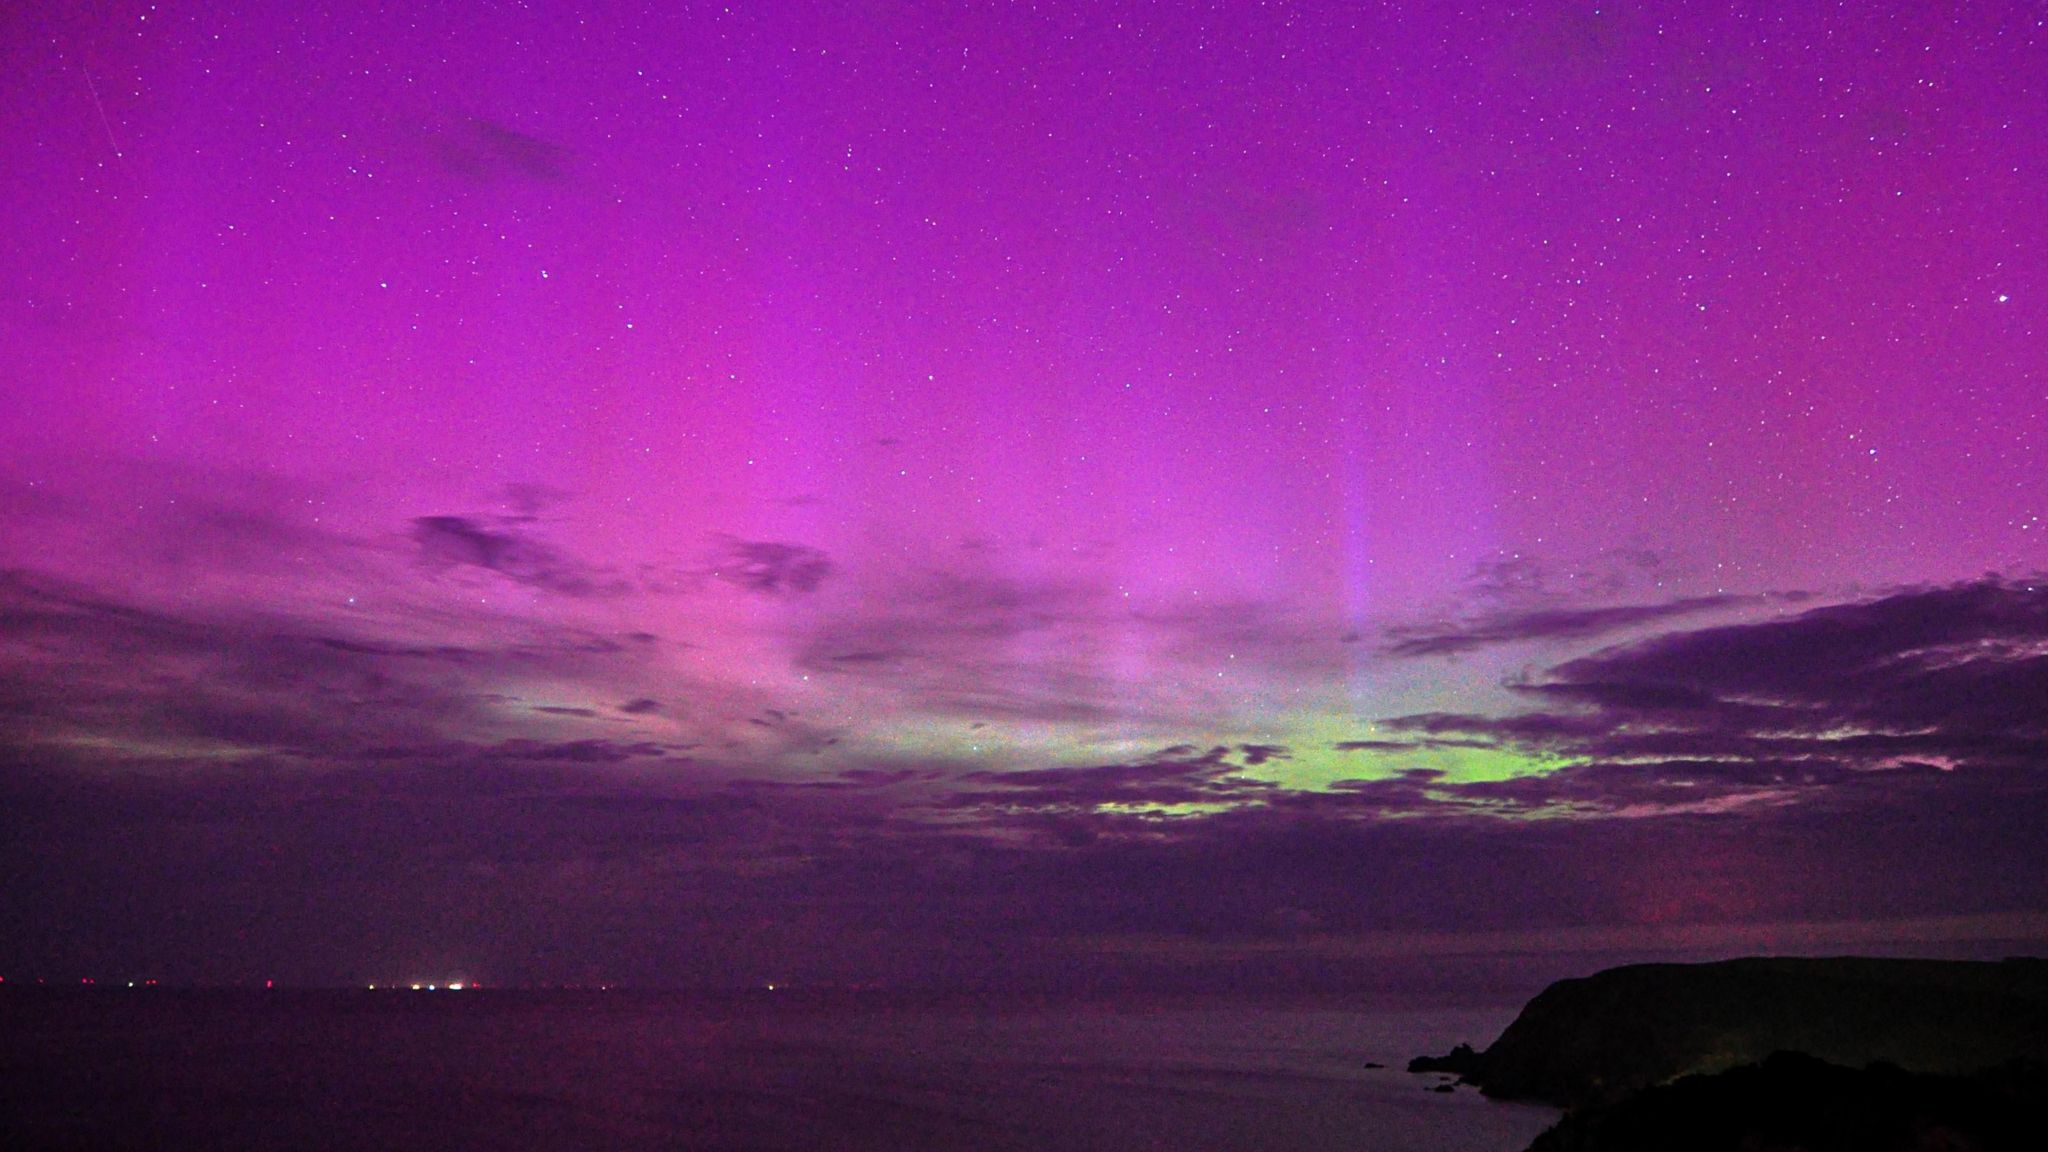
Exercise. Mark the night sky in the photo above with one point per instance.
(971, 494)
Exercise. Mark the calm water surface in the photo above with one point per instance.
(516, 1070)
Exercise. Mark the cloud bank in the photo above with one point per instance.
(355, 788)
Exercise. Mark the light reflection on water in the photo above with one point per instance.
(508, 1070)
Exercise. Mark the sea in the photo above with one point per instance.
(513, 1070)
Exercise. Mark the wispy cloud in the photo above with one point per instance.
(483, 149)
(772, 567)
(1546, 624)
(508, 549)
(1174, 778)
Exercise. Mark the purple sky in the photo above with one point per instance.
(919, 492)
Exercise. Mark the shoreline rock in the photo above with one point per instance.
(1461, 1061)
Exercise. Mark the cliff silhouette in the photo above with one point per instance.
(1593, 1042)
(1793, 1101)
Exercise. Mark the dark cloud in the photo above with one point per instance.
(1508, 578)
(773, 568)
(1407, 793)
(1519, 579)
(885, 777)
(450, 652)
(259, 794)
(1543, 624)
(520, 862)
(573, 751)
(862, 779)
(1878, 693)
(448, 542)
(1963, 659)
(81, 668)
(846, 658)
(1177, 777)
(1406, 745)
(87, 673)
(483, 149)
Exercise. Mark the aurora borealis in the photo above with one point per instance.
(918, 491)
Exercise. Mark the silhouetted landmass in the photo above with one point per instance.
(1793, 1101)
(1461, 1061)
(1594, 1041)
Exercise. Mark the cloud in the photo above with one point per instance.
(773, 568)
(1176, 776)
(92, 675)
(980, 639)
(1519, 578)
(109, 521)
(1543, 624)
(449, 542)
(449, 652)
(482, 149)
(971, 643)
(550, 857)
(1406, 745)
(1926, 688)
(296, 777)
(531, 861)
(573, 751)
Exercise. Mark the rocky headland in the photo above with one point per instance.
(1793, 1101)
(1839, 1053)
(1597, 1039)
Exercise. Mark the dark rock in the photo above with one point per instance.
(1595, 1040)
(1374, 1064)
(1792, 1101)
(1461, 1061)
(1443, 1088)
